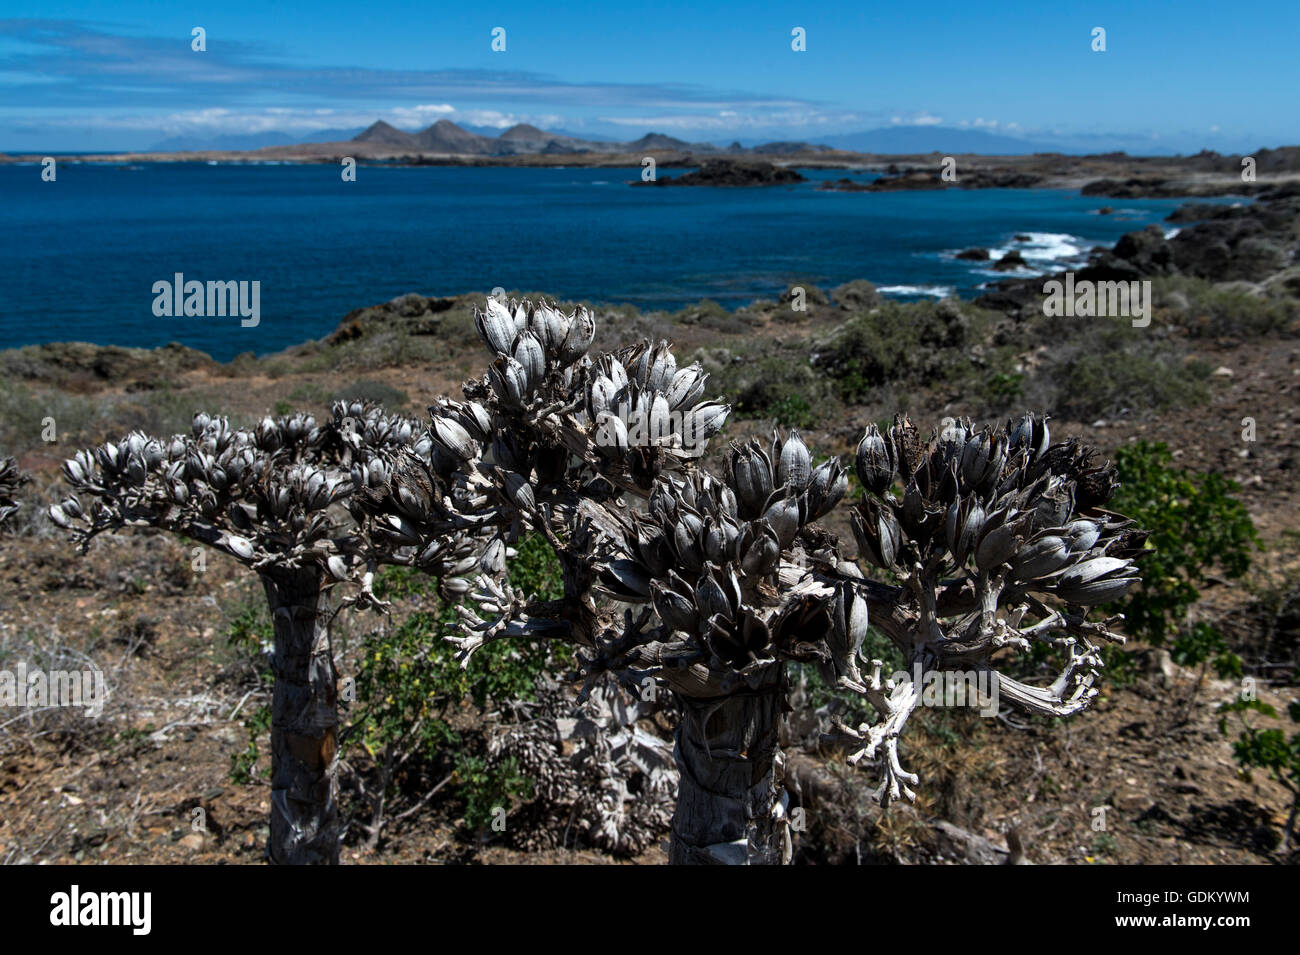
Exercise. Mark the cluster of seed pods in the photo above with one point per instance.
(1005, 502)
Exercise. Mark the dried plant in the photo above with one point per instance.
(292, 500)
(999, 540)
(598, 778)
(705, 584)
(10, 480)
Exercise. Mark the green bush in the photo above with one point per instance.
(488, 787)
(792, 411)
(1197, 527)
(401, 703)
(1207, 309)
(1004, 386)
(918, 342)
(309, 393)
(409, 687)
(1120, 370)
(709, 314)
(1269, 750)
(766, 386)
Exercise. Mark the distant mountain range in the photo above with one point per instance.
(446, 137)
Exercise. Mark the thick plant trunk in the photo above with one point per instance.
(304, 724)
(726, 750)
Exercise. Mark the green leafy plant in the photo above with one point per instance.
(1004, 385)
(1269, 750)
(897, 342)
(1119, 369)
(243, 764)
(1197, 528)
(409, 689)
(249, 634)
(489, 788)
(792, 411)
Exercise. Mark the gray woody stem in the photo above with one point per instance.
(304, 723)
(725, 751)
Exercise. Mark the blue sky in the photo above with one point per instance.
(1175, 76)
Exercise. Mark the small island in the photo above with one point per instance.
(731, 173)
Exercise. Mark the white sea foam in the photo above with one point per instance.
(1045, 247)
(936, 291)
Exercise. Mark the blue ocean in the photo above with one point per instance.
(82, 254)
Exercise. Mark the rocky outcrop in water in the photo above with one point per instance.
(922, 179)
(1010, 262)
(730, 172)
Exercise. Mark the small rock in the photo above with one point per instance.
(1223, 371)
(1012, 260)
(194, 841)
(1131, 802)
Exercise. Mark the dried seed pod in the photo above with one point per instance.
(1042, 557)
(848, 613)
(751, 473)
(794, 466)
(878, 534)
(827, 487)
(875, 462)
(581, 333)
(601, 394)
(531, 356)
(626, 579)
(337, 567)
(241, 547)
(782, 513)
(496, 327)
(518, 490)
(675, 610)
(687, 387)
(1098, 591)
(759, 548)
(452, 438)
(999, 544)
(701, 423)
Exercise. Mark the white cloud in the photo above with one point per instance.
(218, 121)
(729, 120)
(923, 118)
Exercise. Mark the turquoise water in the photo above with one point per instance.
(81, 254)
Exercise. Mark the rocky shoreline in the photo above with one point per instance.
(1254, 246)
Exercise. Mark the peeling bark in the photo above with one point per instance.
(304, 724)
(726, 749)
